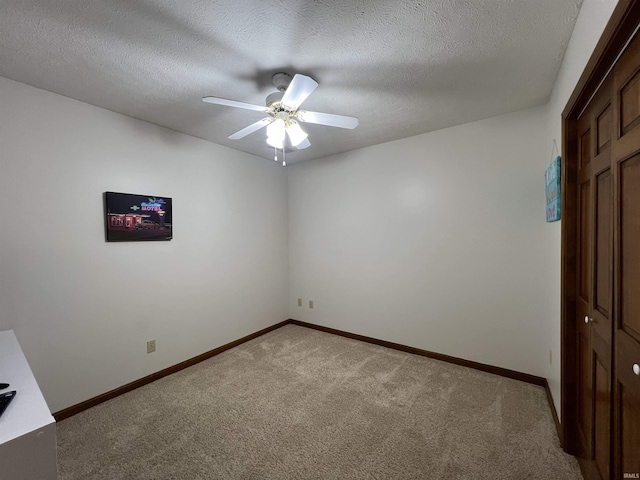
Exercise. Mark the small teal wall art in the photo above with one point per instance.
(552, 180)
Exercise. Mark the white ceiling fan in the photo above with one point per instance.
(283, 114)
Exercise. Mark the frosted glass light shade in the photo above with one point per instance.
(275, 142)
(296, 134)
(275, 134)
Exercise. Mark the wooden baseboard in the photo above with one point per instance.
(504, 372)
(523, 377)
(554, 413)
(75, 409)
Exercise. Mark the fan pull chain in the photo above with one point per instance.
(275, 156)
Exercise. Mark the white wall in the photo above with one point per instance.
(439, 241)
(434, 241)
(82, 308)
(593, 17)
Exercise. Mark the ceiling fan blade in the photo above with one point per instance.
(251, 128)
(340, 121)
(304, 144)
(298, 90)
(233, 103)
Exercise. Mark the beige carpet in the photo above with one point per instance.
(301, 404)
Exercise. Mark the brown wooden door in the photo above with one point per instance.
(607, 322)
(626, 171)
(601, 256)
(594, 285)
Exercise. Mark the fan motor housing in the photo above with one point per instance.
(281, 80)
(273, 98)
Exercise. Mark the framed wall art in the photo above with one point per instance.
(552, 178)
(133, 218)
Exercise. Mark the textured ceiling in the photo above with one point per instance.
(403, 67)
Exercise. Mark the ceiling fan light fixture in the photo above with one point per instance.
(275, 142)
(296, 134)
(275, 134)
(284, 115)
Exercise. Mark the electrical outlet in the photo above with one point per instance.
(310, 303)
(151, 346)
(299, 302)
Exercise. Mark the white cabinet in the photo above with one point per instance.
(27, 429)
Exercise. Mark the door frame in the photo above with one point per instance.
(624, 21)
